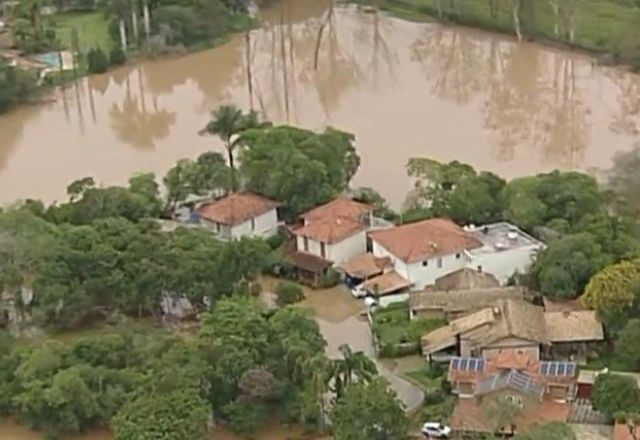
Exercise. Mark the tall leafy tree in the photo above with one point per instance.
(613, 393)
(369, 411)
(352, 366)
(228, 123)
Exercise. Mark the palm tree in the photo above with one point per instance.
(352, 366)
(228, 123)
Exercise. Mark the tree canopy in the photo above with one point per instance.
(369, 411)
(613, 393)
(298, 166)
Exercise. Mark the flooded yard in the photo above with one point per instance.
(404, 89)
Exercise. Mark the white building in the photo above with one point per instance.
(336, 231)
(505, 250)
(424, 251)
(240, 214)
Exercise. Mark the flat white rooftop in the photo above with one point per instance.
(499, 237)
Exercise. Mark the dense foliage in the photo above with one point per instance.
(16, 86)
(299, 166)
(369, 411)
(613, 393)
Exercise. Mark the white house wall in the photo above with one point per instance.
(504, 264)
(348, 248)
(337, 252)
(265, 225)
(417, 273)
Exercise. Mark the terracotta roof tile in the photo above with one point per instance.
(472, 415)
(386, 283)
(236, 208)
(330, 229)
(366, 265)
(309, 262)
(571, 326)
(342, 207)
(416, 241)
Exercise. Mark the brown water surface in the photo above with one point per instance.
(405, 89)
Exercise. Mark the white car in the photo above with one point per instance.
(370, 301)
(359, 291)
(436, 430)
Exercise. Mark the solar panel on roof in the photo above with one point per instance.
(472, 365)
(463, 364)
(553, 369)
(571, 368)
(544, 368)
(455, 363)
(480, 365)
(562, 368)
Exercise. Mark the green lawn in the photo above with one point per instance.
(394, 328)
(604, 25)
(92, 28)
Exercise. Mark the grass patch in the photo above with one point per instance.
(92, 27)
(610, 359)
(397, 334)
(600, 25)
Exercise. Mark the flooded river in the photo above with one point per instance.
(405, 89)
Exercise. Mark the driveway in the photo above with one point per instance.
(355, 332)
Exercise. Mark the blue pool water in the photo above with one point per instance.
(50, 58)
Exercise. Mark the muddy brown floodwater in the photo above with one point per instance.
(405, 89)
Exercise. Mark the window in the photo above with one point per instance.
(458, 255)
(305, 241)
(439, 263)
(323, 249)
(516, 400)
(253, 224)
(425, 263)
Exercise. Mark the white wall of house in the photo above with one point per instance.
(425, 272)
(385, 300)
(338, 252)
(503, 264)
(264, 225)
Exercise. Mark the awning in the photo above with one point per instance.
(437, 340)
(365, 266)
(387, 283)
(309, 262)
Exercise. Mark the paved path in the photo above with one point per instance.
(356, 333)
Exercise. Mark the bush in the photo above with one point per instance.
(288, 292)
(434, 397)
(277, 240)
(97, 61)
(330, 279)
(613, 393)
(117, 56)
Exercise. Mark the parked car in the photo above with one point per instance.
(436, 430)
(370, 301)
(359, 291)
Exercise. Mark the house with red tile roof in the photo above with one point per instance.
(537, 392)
(335, 231)
(240, 214)
(425, 251)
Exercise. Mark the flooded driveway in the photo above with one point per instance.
(405, 89)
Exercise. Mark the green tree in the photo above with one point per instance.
(288, 293)
(97, 61)
(613, 393)
(369, 411)
(16, 86)
(352, 366)
(177, 415)
(564, 268)
(628, 344)
(613, 291)
(298, 166)
(371, 197)
(228, 123)
(208, 174)
(502, 414)
(145, 185)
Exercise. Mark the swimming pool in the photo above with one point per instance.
(50, 58)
